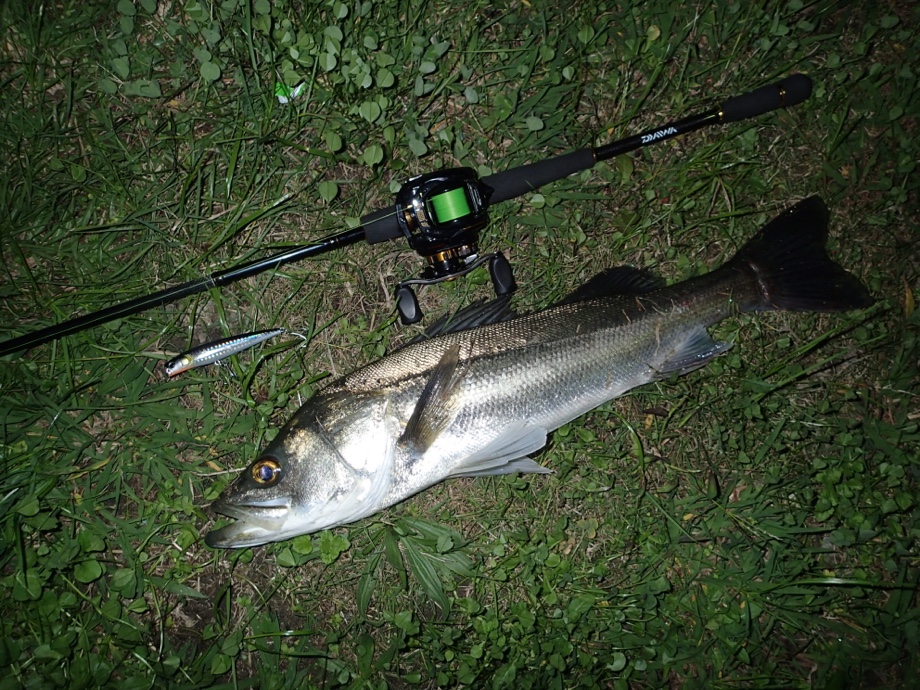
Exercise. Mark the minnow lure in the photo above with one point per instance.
(212, 352)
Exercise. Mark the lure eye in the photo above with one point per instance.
(266, 471)
(178, 365)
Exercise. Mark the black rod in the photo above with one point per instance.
(652, 136)
(382, 225)
(171, 294)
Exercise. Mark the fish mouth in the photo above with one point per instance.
(255, 523)
(259, 512)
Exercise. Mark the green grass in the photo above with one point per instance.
(753, 524)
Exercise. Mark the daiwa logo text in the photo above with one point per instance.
(660, 134)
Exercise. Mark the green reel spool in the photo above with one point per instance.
(451, 205)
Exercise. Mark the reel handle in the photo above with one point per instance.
(499, 270)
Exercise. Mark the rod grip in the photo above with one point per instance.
(526, 178)
(790, 91)
(381, 225)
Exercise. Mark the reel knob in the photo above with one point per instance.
(502, 276)
(499, 270)
(407, 305)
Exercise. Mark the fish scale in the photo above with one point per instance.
(478, 402)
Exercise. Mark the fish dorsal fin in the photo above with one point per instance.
(621, 280)
(434, 410)
(506, 453)
(479, 313)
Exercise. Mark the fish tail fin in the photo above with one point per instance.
(789, 263)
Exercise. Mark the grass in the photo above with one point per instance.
(753, 524)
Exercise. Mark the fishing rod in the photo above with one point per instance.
(440, 214)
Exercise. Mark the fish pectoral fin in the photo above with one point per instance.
(694, 351)
(506, 453)
(434, 410)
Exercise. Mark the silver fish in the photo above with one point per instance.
(476, 402)
(215, 351)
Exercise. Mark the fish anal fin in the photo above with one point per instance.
(694, 351)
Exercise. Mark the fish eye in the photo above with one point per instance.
(266, 471)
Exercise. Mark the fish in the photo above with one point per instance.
(480, 401)
(215, 351)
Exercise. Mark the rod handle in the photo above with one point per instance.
(526, 178)
(790, 91)
(381, 225)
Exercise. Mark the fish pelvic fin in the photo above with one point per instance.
(788, 260)
(506, 453)
(517, 466)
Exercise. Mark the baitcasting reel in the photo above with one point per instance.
(441, 214)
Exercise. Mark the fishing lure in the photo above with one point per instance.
(212, 352)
